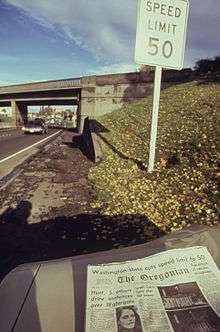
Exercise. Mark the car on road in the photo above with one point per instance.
(37, 126)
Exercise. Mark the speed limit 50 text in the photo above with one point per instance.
(168, 14)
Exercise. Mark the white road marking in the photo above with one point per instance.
(29, 147)
(4, 135)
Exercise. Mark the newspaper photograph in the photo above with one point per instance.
(177, 290)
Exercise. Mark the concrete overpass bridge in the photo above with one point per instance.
(20, 96)
(94, 95)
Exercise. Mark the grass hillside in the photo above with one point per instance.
(183, 189)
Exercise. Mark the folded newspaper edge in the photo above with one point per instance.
(154, 255)
(174, 290)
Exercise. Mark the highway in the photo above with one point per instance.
(16, 147)
(14, 141)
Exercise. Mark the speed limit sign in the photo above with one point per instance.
(160, 42)
(161, 32)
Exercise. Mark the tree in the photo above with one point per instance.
(217, 63)
(203, 66)
(208, 65)
(146, 68)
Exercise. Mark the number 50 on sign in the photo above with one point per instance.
(161, 33)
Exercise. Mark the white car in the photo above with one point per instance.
(36, 126)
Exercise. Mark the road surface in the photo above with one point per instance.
(13, 141)
(15, 147)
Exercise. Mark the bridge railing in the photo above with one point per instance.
(38, 86)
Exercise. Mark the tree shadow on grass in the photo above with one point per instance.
(98, 128)
(63, 236)
(139, 163)
(84, 143)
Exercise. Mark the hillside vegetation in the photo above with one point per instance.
(183, 189)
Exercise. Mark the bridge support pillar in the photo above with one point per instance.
(23, 109)
(86, 106)
(19, 113)
(79, 119)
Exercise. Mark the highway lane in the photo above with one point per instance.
(16, 148)
(13, 141)
(5, 134)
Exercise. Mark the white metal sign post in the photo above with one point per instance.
(154, 120)
(160, 41)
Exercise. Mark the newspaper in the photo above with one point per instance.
(176, 290)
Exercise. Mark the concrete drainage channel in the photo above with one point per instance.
(8, 178)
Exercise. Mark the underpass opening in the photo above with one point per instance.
(62, 104)
(60, 115)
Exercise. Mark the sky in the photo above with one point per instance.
(54, 39)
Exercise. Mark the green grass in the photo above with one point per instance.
(183, 189)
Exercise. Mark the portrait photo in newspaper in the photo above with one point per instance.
(128, 320)
(187, 308)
